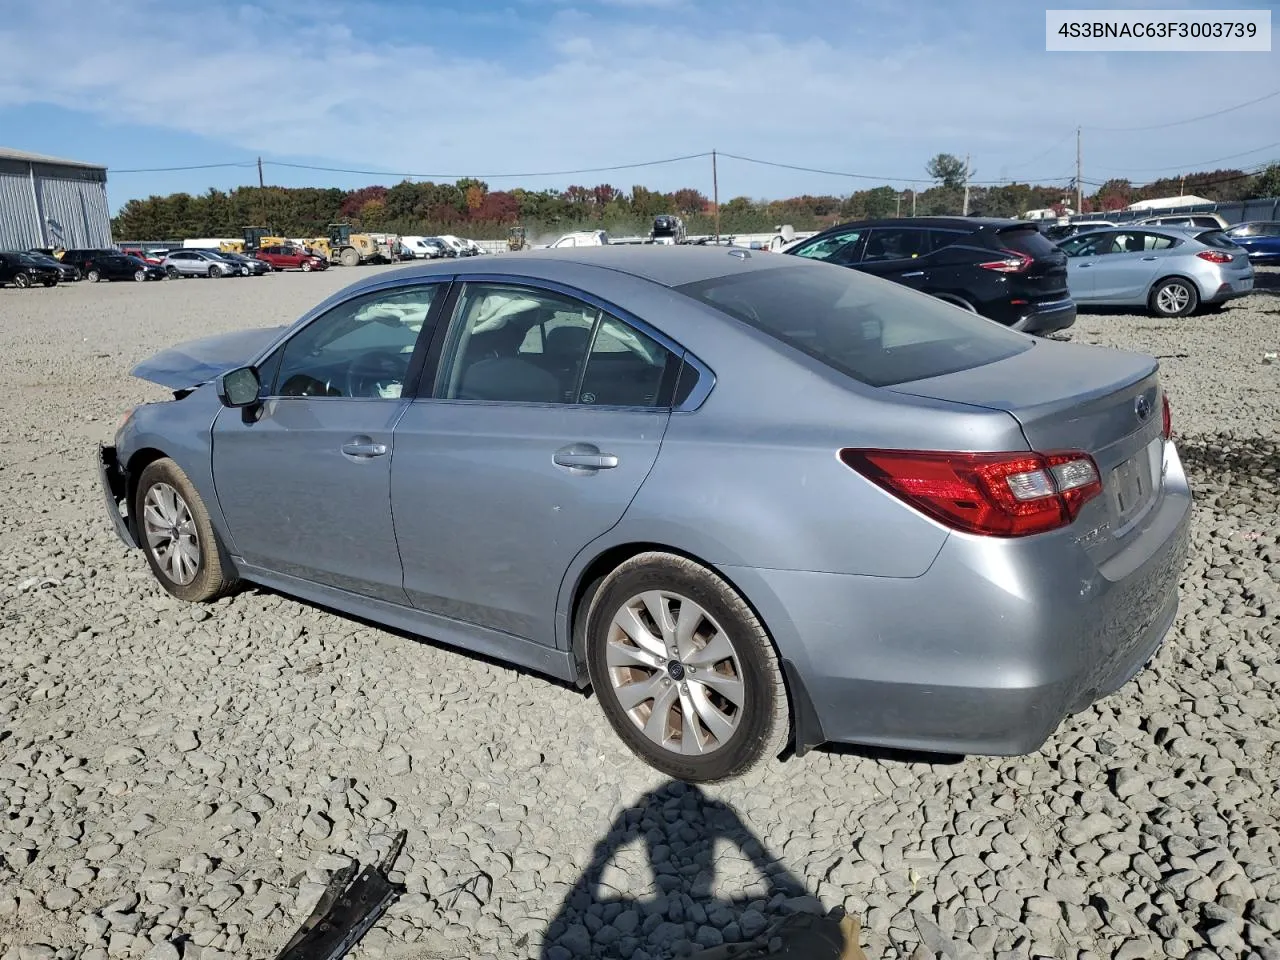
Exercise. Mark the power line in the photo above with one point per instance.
(865, 176)
(1199, 163)
(1203, 116)
(196, 166)
(1040, 156)
(488, 176)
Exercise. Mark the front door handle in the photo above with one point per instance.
(584, 456)
(1083, 265)
(1150, 258)
(363, 448)
(914, 273)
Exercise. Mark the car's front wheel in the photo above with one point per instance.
(172, 272)
(140, 275)
(1174, 297)
(177, 536)
(684, 670)
(22, 280)
(306, 266)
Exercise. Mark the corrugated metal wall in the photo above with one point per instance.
(75, 212)
(72, 202)
(19, 226)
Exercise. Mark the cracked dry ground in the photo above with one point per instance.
(178, 781)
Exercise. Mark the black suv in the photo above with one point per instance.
(1005, 270)
(78, 257)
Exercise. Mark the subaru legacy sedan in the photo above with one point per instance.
(753, 501)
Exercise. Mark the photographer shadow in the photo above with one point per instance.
(609, 913)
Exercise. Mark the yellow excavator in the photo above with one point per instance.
(255, 238)
(349, 249)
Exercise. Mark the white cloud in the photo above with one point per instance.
(301, 82)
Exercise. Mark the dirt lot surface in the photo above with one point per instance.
(179, 781)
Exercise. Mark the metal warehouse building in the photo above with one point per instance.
(47, 202)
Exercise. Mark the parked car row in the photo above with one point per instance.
(435, 248)
(1010, 271)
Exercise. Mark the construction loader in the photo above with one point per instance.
(349, 249)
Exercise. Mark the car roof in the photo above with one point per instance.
(669, 266)
(1175, 232)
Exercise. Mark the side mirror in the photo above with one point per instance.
(239, 388)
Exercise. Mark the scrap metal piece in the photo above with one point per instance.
(345, 913)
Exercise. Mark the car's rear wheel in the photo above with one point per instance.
(22, 280)
(93, 276)
(685, 672)
(1174, 297)
(177, 535)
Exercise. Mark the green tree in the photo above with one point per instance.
(949, 170)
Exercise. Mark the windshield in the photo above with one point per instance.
(874, 331)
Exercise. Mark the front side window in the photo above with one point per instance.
(838, 248)
(519, 345)
(361, 348)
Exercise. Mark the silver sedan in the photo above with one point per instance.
(752, 500)
(1172, 271)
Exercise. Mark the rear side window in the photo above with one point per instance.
(1026, 240)
(875, 332)
(1216, 238)
(896, 243)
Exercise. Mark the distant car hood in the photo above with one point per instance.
(199, 361)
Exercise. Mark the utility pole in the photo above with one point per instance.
(715, 195)
(965, 211)
(898, 210)
(913, 201)
(1079, 182)
(262, 196)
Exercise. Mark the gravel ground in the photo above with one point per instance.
(178, 781)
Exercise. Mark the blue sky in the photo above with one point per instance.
(872, 86)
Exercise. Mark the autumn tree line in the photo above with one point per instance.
(470, 208)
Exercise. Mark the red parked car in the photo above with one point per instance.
(142, 255)
(289, 257)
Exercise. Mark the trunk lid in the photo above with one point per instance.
(1065, 397)
(199, 361)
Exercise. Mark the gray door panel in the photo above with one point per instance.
(306, 490)
(492, 501)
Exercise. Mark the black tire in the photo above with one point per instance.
(93, 276)
(173, 273)
(215, 272)
(51, 282)
(761, 729)
(1174, 297)
(22, 281)
(350, 257)
(307, 266)
(213, 575)
(140, 275)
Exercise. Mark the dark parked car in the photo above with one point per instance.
(833, 509)
(119, 267)
(66, 272)
(1005, 270)
(256, 267)
(79, 256)
(24, 270)
(1260, 239)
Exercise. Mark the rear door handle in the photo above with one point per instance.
(584, 456)
(1083, 265)
(1150, 258)
(363, 448)
(914, 273)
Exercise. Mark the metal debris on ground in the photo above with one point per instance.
(345, 913)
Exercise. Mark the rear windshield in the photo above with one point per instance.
(869, 329)
(1026, 240)
(1216, 238)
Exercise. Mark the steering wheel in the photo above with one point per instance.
(369, 374)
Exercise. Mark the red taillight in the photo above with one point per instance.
(1168, 417)
(1014, 262)
(996, 494)
(1213, 256)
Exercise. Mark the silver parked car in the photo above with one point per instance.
(199, 263)
(750, 499)
(1172, 271)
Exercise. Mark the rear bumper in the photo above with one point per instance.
(1047, 317)
(991, 648)
(1229, 288)
(114, 486)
